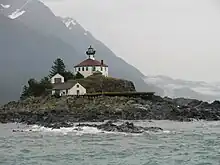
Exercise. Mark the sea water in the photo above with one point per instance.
(193, 143)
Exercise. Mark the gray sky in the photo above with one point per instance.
(178, 38)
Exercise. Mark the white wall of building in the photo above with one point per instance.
(88, 71)
(57, 76)
(77, 87)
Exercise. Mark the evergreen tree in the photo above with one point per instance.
(58, 67)
(45, 85)
(36, 88)
(78, 76)
(45, 80)
(68, 76)
(25, 93)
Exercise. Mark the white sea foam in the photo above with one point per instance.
(77, 130)
(166, 131)
(84, 130)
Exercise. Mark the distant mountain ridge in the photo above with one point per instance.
(190, 89)
(33, 37)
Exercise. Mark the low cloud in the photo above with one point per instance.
(176, 38)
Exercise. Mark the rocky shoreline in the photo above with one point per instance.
(48, 111)
(108, 126)
(125, 127)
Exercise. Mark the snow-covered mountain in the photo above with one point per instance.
(182, 88)
(4, 6)
(13, 11)
(69, 22)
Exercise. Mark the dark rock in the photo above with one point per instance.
(215, 104)
(153, 129)
(57, 125)
(98, 109)
(125, 127)
(17, 130)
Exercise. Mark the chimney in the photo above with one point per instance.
(102, 62)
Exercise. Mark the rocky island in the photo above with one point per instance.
(91, 95)
(49, 110)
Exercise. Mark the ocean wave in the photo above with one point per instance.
(65, 130)
(82, 131)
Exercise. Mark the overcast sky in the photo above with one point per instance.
(178, 38)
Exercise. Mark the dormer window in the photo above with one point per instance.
(57, 80)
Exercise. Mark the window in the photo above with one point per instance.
(77, 85)
(57, 80)
(82, 68)
(101, 68)
(93, 68)
(79, 69)
(87, 68)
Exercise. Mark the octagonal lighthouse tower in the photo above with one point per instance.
(90, 66)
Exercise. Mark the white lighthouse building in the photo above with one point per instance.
(90, 66)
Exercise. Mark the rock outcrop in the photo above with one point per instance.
(125, 127)
(51, 111)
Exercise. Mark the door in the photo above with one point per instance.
(77, 93)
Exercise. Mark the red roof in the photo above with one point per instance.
(90, 62)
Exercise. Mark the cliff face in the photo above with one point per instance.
(99, 83)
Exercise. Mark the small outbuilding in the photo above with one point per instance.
(68, 89)
(57, 79)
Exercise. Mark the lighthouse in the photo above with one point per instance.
(90, 65)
